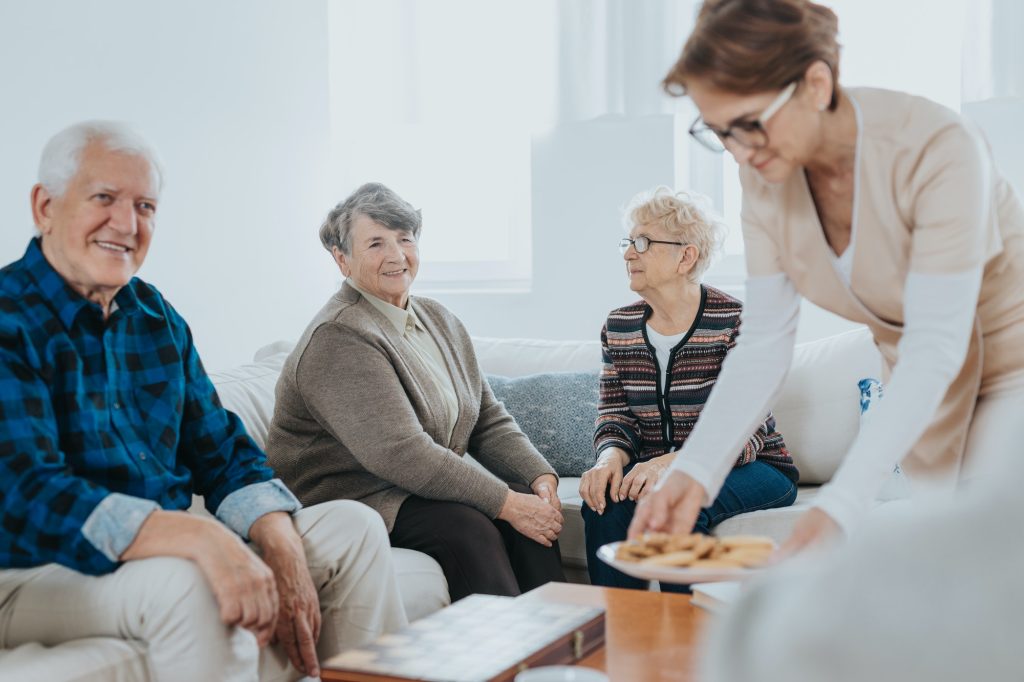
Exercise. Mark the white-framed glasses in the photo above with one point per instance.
(749, 134)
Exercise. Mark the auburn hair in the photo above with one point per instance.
(752, 46)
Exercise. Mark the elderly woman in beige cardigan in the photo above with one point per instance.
(382, 398)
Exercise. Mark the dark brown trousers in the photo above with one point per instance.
(477, 554)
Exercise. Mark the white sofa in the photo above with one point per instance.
(817, 413)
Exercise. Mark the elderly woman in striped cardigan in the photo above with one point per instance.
(661, 358)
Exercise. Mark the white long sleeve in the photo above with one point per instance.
(751, 376)
(938, 315)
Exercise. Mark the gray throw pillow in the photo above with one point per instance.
(556, 410)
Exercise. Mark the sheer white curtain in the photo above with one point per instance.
(993, 81)
(612, 54)
(993, 50)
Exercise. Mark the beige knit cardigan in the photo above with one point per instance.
(358, 417)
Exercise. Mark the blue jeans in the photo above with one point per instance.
(747, 488)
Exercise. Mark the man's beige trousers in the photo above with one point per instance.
(166, 605)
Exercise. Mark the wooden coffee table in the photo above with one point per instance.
(648, 635)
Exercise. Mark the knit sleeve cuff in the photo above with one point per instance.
(613, 437)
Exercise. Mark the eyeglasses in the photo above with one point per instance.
(641, 244)
(749, 134)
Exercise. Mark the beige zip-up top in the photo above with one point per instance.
(930, 201)
(359, 416)
(937, 275)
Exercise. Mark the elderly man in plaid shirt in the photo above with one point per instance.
(109, 424)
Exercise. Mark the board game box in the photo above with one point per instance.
(480, 638)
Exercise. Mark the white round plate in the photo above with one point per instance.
(671, 574)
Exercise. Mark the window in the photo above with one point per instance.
(439, 101)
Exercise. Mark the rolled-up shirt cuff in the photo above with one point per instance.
(115, 521)
(240, 509)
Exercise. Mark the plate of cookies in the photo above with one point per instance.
(693, 558)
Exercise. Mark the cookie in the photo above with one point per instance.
(704, 545)
(677, 543)
(681, 558)
(748, 559)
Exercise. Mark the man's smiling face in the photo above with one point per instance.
(97, 234)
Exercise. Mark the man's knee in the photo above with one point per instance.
(179, 618)
(175, 589)
(330, 529)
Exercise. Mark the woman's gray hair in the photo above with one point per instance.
(687, 216)
(63, 153)
(378, 203)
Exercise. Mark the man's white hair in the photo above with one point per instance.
(63, 153)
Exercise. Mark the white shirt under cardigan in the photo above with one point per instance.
(663, 346)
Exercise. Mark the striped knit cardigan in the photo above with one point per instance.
(636, 414)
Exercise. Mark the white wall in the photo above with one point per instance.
(583, 174)
(233, 93)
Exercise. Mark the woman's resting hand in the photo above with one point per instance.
(532, 516)
(546, 488)
(672, 506)
(642, 477)
(607, 471)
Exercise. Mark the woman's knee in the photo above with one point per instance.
(468, 529)
(614, 521)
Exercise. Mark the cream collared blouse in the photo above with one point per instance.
(408, 324)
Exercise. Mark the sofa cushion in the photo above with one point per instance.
(519, 357)
(556, 411)
(248, 391)
(571, 541)
(818, 409)
(421, 583)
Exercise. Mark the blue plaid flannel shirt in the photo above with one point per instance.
(101, 422)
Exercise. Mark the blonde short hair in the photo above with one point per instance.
(687, 216)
